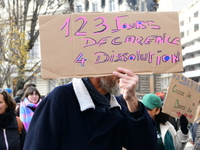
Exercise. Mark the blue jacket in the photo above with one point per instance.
(193, 129)
(58, 124)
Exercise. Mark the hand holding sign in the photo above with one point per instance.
(184, 124)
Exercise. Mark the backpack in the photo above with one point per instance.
(197, 139)
(20, 125)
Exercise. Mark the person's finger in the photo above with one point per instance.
(123, 73)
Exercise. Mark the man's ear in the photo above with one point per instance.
(157, 111)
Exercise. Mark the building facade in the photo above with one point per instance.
(190, 39)
(189, 21)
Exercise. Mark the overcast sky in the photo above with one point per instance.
(180, 4)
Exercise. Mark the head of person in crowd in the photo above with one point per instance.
(153, 104)
(14, 135)
(6, 102)
(32, 94)
(167, 137)
(28, 85)
(19, 95)
(8, 90)
(28, 105)
(20, 92)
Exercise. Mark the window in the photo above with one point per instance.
(189, 55)
(86, 5)
(34, 52)
(78, 8)
(95, 7)
(182, 23)
(196, 14)
(191, 68)
(182, 34)
(120, 2)
(143, 6)
(188, 32)
(52, 84)
(196, 27)
(197, 67)
(103, 3)
(196, 54)
(165, 81)
(111, 5)
(189, 19)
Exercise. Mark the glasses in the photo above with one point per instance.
(1, 90)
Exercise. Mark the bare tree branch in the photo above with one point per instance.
(19, 34)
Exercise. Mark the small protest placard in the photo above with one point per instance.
(183, 97)
(95, 44)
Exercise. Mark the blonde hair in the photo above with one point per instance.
(197, 115)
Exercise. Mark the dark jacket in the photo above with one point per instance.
(11, 134)
(58, 124)
(17, 99)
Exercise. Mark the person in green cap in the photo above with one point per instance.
(167, 137)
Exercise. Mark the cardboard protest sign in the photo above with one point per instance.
(183, 97)
(95, 44)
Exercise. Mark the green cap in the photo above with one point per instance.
(152, 101)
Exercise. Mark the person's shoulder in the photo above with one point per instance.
(169, 124)
(59, 97)
(170, 127)
(60, 92)
(166, 125)
(63, 88)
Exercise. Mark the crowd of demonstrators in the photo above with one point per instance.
(29, 102)
(93, 108)
(85, 114)
(11, 135)
(167, 137)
